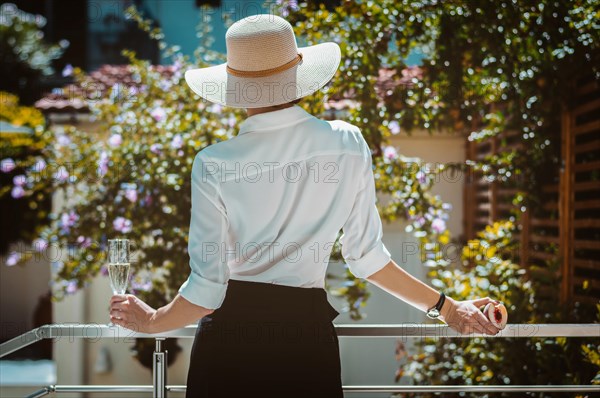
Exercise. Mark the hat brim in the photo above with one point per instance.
(318, 65)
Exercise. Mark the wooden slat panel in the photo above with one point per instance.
(586, 263)
(588, 87)
(544, 239)
(542, 222)
(587, 166)
(585, 299)
(550, 188)
(484, 195)
(591, 282)
(587, 204)
(588, 147)
(542, 255)
(504, 206)
(483, 207)
(587, 127)
(586, 244)
(586, 186)
(587, 107)
(509, 133)
(507, 191)
(514, 146)
(566, 199)
(482, 220)
(587, 223)
(550, 206)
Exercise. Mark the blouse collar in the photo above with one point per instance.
(273, 119)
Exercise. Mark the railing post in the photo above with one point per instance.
(159, 370)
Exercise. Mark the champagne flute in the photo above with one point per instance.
(118, 265)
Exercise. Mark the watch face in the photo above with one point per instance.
(433, 313)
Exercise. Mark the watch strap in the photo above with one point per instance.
(435, 311)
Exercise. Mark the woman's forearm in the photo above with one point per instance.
(177, 314)
(399, 283)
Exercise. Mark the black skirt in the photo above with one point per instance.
(267, 340)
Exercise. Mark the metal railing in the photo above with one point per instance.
(404, 331)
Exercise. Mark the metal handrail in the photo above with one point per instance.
(405, 330)
(351, 389)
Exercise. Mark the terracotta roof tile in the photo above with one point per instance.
(73, 97)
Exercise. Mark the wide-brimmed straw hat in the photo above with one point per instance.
(265, 67)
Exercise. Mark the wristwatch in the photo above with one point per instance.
(435, 311)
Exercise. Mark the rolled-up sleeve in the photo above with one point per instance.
(361, 240)
(207, 283)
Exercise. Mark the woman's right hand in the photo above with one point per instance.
(465, 316)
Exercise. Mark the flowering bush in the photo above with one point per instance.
(132, 180)
(20, 148)
(489, 270)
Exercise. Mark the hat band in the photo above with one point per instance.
(265, 72)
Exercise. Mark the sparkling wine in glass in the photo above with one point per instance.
(118, 265)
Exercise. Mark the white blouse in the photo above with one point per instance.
(268, 204)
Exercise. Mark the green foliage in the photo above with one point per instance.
(488, 270)
(21, 149)
(488, 67)
(22, 45)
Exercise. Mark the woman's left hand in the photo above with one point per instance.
(132, 313)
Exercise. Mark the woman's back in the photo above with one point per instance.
(284, 188)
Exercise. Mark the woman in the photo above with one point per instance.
(267, 206)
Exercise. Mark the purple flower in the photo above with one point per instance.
(177, 142)
(39, 165)
(13, 259)
(67, 220)
(147, 200)
(104, 270)
(103, 164)
(159, 114)
(131, 194)
(115, 140)
(394, 127)
(84, 242)
(67, 70)
(71, 286)
(61, 174)
(115, 92)
(121, 224)
(17, 192)
(216, 108)
(143, 286)
(231, 121)
(63, 140)
(287, 6)
(177, 64)
(438, 225)
(421, 177)
(19, 180)
(165, 85)
(7, 165)
(390, 153)
(40, 244)
(156, 148)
